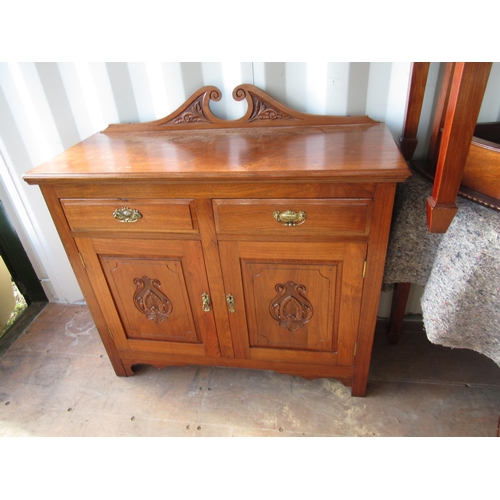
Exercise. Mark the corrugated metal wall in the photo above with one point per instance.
(46, 108)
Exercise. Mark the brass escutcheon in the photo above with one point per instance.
(290, 218)
(126, 214)
(230, 302)
(206, 303)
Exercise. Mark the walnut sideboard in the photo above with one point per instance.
(256, 243)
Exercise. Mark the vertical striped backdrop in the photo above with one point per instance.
(46, 108)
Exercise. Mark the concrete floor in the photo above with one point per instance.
(56, 380)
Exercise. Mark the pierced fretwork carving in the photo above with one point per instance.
(150, 300)
(193, 114)
(290, 307)
(264, 111)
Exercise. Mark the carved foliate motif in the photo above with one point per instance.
(151, 301)
(193, 113)
(290, 307)
(196, 114)
(264, 111)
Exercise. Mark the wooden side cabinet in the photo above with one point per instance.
(255, 243)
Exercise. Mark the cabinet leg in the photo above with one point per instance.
(399, 301)
(358, 393)
(128, 370)
(120, 368)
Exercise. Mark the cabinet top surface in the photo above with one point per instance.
(364, 152)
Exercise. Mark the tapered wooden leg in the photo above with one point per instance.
(399, 301)
(416, 92)
(465, 96)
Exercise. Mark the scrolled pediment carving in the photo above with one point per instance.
(262, 109)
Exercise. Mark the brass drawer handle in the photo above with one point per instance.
(206, 303)
(126, 214)
(230, 302)
(290, 218)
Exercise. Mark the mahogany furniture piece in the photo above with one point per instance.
(463, 97)
(458, 105)
(456, 160)
(255, 243)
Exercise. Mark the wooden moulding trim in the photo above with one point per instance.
(263, 110)
(220, 190)
(483, 143)
(479, 198)
(424, 168)
(352, 176)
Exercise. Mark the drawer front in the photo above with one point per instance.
(294, 217)
(132, 215)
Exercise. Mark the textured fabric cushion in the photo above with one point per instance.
(460, 269)
(461, 301)
(412, 248)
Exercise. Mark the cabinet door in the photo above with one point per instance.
(295, 302)
(151, 293)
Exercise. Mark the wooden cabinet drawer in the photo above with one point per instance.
(155, 216)
(320, 217)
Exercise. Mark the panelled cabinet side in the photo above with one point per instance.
(375, 262)
(256, 243)
(79, 268)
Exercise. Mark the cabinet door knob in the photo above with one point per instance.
(290, 218)
(126, 214)
(230, 302)
(206, 303)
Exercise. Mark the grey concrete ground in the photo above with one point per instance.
(56, 380)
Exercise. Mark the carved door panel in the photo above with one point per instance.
(154, 294)
(296, 302)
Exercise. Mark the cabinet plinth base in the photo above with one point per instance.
(343, 374)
